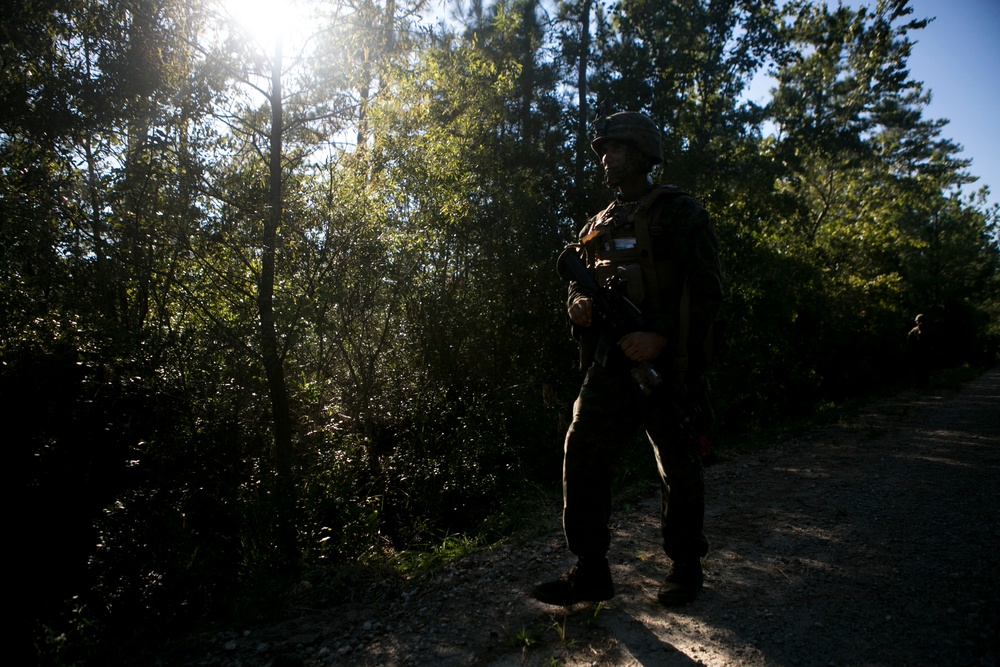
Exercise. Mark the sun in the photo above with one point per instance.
(266, 20)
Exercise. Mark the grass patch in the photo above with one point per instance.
(418, 562)
(524, 639)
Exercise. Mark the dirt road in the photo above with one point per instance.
(872, 542)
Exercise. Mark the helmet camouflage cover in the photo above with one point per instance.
(632, 128)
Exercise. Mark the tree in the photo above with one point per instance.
(864, 169)
(688, 64)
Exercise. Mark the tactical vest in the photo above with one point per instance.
(631, 243)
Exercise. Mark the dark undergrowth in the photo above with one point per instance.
(191, 563)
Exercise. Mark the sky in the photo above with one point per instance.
(957, 57)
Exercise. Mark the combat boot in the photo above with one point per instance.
(588, 581)
(682, 584)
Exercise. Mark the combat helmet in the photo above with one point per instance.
(631, 127)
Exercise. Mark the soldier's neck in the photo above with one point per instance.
(634, 189)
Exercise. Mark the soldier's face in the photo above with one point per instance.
(621, 163)
(614, 156)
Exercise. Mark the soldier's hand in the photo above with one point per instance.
(581, 313)
(643, 345)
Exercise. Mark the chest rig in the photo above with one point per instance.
(634, 247)
(628, 244)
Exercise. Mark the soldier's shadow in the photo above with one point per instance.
(614, 634)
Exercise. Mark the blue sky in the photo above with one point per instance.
(957, 57)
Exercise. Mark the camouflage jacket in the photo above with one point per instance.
(685, 251)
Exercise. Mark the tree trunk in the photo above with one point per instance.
(583, 62)
(271, 355)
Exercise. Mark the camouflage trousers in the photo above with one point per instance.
(606, 417)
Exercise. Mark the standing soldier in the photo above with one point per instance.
(657, 245)
(918, 351)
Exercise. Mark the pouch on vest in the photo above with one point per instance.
(635, 289)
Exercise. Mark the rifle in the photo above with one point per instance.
(619, 317)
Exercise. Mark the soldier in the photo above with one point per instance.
(660, 245)
(918, 351)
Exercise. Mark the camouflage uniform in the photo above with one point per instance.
(611, 407)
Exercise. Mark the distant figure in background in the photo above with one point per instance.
(919, 352)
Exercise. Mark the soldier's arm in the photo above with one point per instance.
(702, 272)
